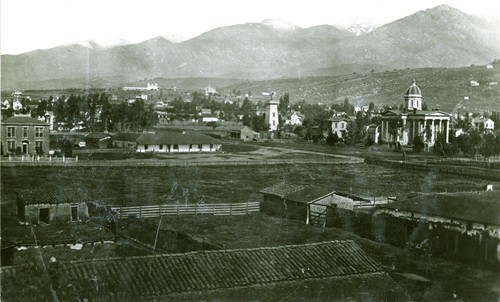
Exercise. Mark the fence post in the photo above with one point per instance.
(247, 207)
(213, 207)
(177, 209)
(140, 211)
(231, 209)
(121, 211)
(196, 209)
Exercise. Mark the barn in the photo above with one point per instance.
(306, 203)
(52, 205)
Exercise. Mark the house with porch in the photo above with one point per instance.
(177, 142)
(26, 135)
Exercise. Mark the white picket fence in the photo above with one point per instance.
(226, 209)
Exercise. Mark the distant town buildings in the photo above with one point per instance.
(149, 86)
(209, 90)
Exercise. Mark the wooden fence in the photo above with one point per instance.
(176, 163)
(219, 209)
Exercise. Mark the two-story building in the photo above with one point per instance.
(25, 135)
(339, 125)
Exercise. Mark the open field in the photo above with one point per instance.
(136, 185)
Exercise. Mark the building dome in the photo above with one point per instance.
(413, 90)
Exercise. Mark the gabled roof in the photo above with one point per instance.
(337, 119)
(282, 189)
(175, 138)
(53, 196)
(308, 194)
(483, 207)
(297, 193)
(160, 275)
(97, 135)
(24, 120)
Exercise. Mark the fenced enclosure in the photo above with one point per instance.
(217, 209)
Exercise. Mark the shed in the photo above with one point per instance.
(296, 202)
(97, 140)
(48, 205)
(125, 140)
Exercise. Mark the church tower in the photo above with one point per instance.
(272, 113)
(413, 98)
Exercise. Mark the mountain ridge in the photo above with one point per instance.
(439, 37)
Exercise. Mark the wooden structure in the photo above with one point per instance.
(306, 203)
(45, 206)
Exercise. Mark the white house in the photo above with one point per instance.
(295, 119)
(339, 125)
(483, 124)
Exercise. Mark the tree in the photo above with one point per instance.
(284, 103)
(489, 146)
(418, 144)
(371, 106)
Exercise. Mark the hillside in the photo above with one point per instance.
(437, 37)
(442, 88)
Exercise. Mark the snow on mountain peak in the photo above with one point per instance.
(279, 24)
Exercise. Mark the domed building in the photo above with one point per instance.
(404, 125)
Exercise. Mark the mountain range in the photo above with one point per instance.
(437, 37)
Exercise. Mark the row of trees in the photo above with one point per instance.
(472, 143)
(96, 113)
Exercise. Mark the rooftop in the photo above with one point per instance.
(297, 193)
(482, 207)
(53, 196)
(24, 120)
(175, 138)
(167, 274)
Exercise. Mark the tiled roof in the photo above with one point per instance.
(209, 270)
(282, 189)
(481, 207)
(24, 120)
(53, 196)
(173, 138)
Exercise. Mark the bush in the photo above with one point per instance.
(418, 144)
(369, 141)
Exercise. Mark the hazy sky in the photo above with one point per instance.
(38, 24)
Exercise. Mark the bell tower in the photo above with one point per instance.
(272, 119)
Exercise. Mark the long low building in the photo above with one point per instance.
(177, 142)
(208, 274)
